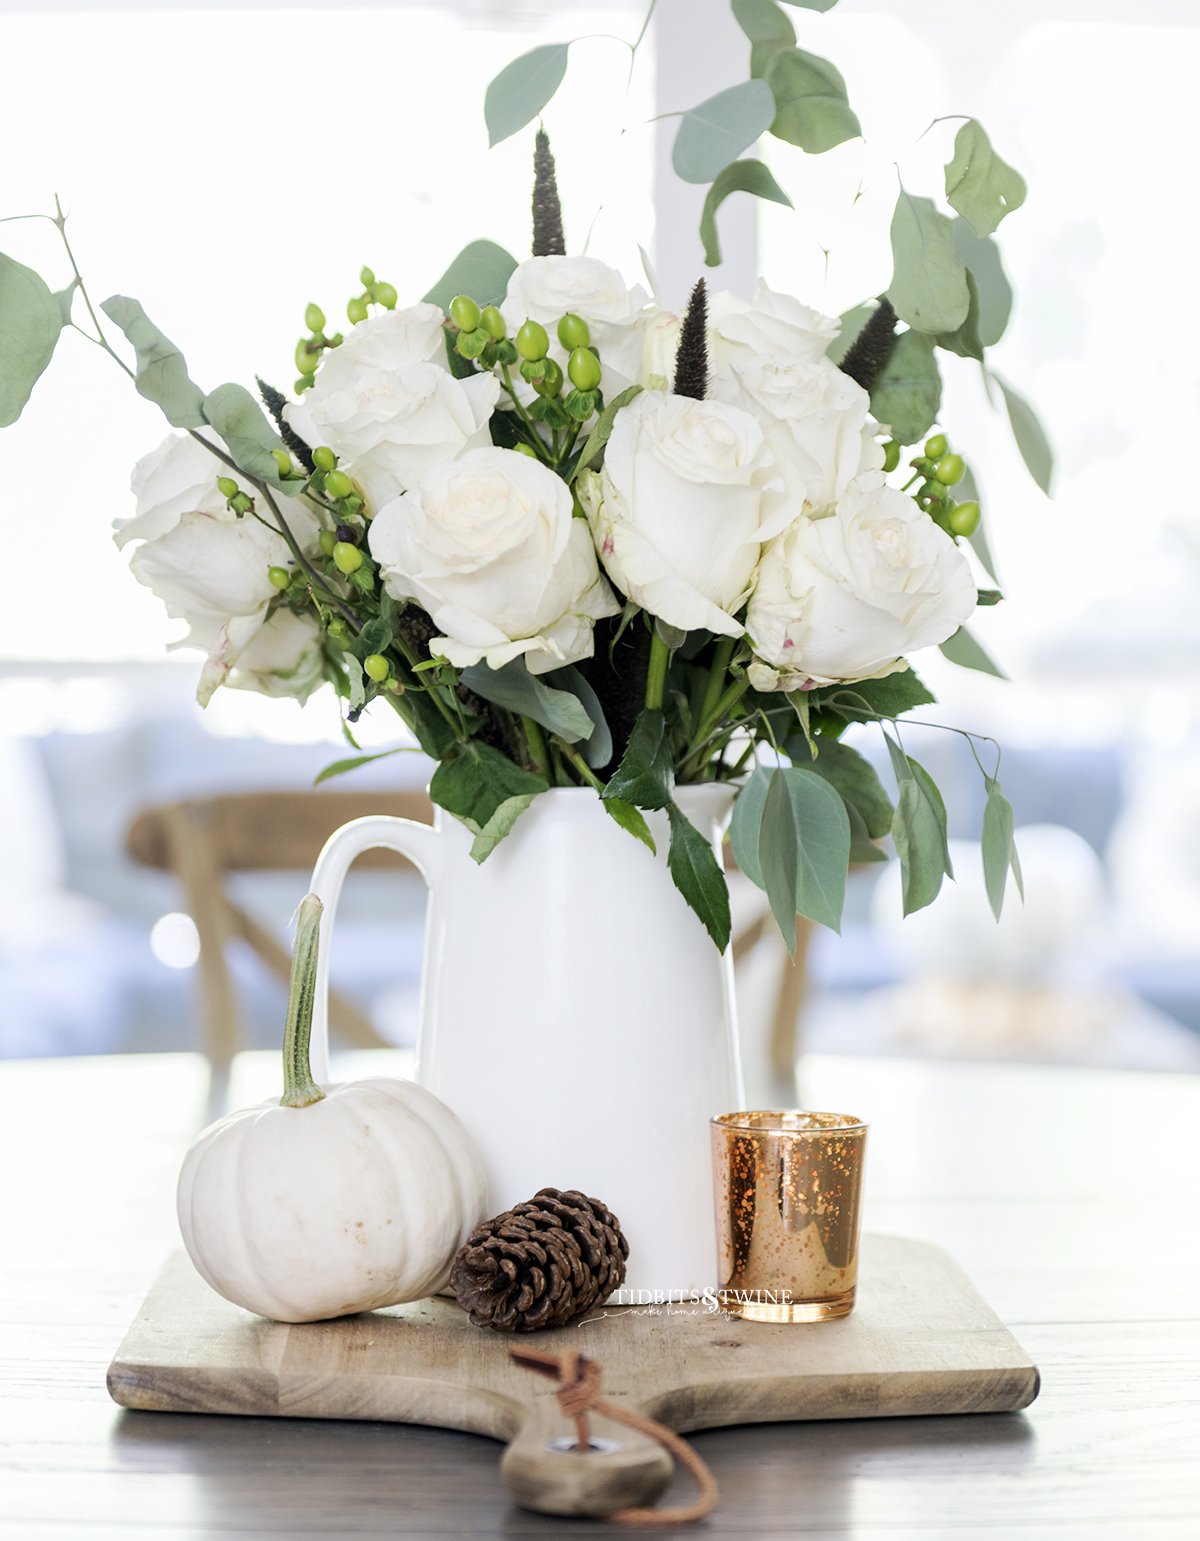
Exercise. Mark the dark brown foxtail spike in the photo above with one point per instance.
(275, 401)
(869, 351)
(547, 210)
(691, 357)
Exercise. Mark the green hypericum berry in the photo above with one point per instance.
(356, 309)
(584, 369)
(338, 484)
(347, 558)
(303, 384)
(366, 278)
(385, 295)
(492, 322)
(227, 487)
(464, 312)
(573, 331)
(526, 449)
(327, 541)
(306, 359)
(533, 341)
(891, 455)
(964, 520)
(936, 447)
(338, 627)
(279, 577)
(377, 667)
(324, 459)
(242, 503)
(314, 318)
(950, 470)
(283, 460)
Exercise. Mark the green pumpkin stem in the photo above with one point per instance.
(299, 1088)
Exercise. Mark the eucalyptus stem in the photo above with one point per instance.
(453, 718)
(656, 673)
(299, 1088)
(536, 740)
(709, 729)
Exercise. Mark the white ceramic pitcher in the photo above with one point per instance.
(574, 1013)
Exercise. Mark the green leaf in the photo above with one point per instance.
(966, 341)
(919, 831)
(810, 100)
(520, 91)
(505, 816)
(742, 177)
(1030, 436)
(768, 29)
(968, 489)
(474, 780)
(340, 767)
(356, 681)
(999, 847)
(812, 5)
(858, 783)
(518, 690)
(804, 850)
(698, 876)
(646, 775)
(981, 258)
(716, 131)
(602, 432)
(66, 300)
(929, 281)
(963, 649)
(482, 270)
(979, 185)
(907, 394)
(744, 826)
(30, 323)
(866, 700)
(852, 322)
(630, 819)
(249, 436)
(162, 375)
(598, 746)
(863, 850)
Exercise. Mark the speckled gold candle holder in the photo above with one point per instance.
(788, 1192)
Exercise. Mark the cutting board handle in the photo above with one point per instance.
(543, 1471)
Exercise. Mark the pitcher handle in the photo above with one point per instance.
(420, 843)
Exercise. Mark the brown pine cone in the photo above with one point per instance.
(541, 1264)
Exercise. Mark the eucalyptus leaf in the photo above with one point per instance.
(812, 5)
(527, 695)
(1031, 438)
(162, 375)
(249, 436)
(598, 746)
(858, 783)
(918, 845)
(852, 322)
(929, 281)
(744, 826)
(863, 850)
(521, 89)
(31, 321)
(474, 780)
(979, 185)
(340, 767)
(698, 876)
(66, 300)
(981, 257)
(718, 130)
(482, 270)
(907, 394)
(966, 341)
(748, 176)
(505, 816)
(812, 110)
(630, 819)
(768, 29)
(356, 681)
(968, 488)
(602, 432)
(804, 850)
(645, 776)
(966, 651)
(999, 847)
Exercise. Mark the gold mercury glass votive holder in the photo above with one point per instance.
(788, 1190)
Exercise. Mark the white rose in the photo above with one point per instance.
(488, 545)
(816, 419)
(283, 658)
(771, 323)
(388, 405)
(845, 596)
(678, 511)
(545, 289)
(176, 478)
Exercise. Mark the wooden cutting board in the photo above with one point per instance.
(920, 1340)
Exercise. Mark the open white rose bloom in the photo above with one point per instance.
(574, 538)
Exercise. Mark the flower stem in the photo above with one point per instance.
(656, 674)
(299, 1088)
(722, 653)
(581, 765)
(537, 746)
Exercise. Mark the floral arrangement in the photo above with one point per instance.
(573, 539)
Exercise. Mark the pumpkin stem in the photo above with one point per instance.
(299, 1088)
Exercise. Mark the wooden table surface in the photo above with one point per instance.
(1070, 1196)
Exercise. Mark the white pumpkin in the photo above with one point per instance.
(324, 1204)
